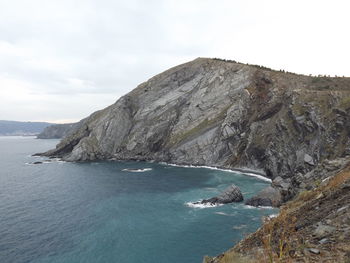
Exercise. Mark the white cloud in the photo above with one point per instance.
(63, 59)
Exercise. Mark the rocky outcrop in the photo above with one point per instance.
(224, 114)
(211, 112)
(57, 131)
(267, 197)
(313, 227)
(230, 195)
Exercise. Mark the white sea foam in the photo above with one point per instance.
(200, 205)
(34, 156)
(257, 207)
(273, 215)
(222, 213)
(137, 170)
(45, 161)
(239, 227)
(221, 169)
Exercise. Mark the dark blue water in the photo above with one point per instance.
(95, 212)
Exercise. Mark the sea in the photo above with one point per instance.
(113, 211)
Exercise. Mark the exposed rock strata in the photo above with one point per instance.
(209, 112)
(225, 114)
(313, 227)
(267, 197)
(230, 195)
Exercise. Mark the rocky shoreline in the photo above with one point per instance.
(313, 227)
(210, 112)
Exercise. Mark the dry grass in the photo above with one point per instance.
(337, 180)
(280, 239)
(234, 257)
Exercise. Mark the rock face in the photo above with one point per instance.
(267, 197)
(57, 131)
(219, 113)
(315, 226)
(230, 195)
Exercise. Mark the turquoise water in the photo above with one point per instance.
(95, 212)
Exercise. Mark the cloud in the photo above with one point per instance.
(65, 59)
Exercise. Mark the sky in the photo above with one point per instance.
(61, 60)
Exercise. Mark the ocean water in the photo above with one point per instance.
(59, 212)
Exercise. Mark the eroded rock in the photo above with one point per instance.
(267, 197)
(230, 195)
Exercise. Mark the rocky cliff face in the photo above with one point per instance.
(57, 131)
(314, 227)
(219, 113)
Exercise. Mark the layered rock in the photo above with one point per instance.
(221, 113)
(230, 195)
(313, 227)
(267, 197)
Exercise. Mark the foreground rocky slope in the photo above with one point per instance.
(314, 227)
(221, 113)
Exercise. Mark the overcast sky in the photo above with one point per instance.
(62, 60)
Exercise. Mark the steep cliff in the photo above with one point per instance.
(314, 227)
(221, 113)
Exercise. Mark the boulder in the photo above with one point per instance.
(309, 160)
(230, 195)
(266, 197)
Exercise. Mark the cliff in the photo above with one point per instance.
(314, 227)
(57, 131)
(293, 128)
(221, 113)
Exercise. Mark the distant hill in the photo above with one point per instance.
(11, 128)
(57, 131)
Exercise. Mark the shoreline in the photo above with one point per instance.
(249, 172)
(245, 171)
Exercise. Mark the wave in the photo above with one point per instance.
(223, 214)
(239, 227)
(222, 169)
(258, 207)
(273, 215)
(41, 161)
(197, 204)
(132, 170)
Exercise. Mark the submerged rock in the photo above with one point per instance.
(230, 195)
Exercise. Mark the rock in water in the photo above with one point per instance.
(230, 195)
(266, 197)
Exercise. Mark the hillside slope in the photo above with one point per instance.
(314, 227)
(57, 131)
(13, 128)
(219, 113)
